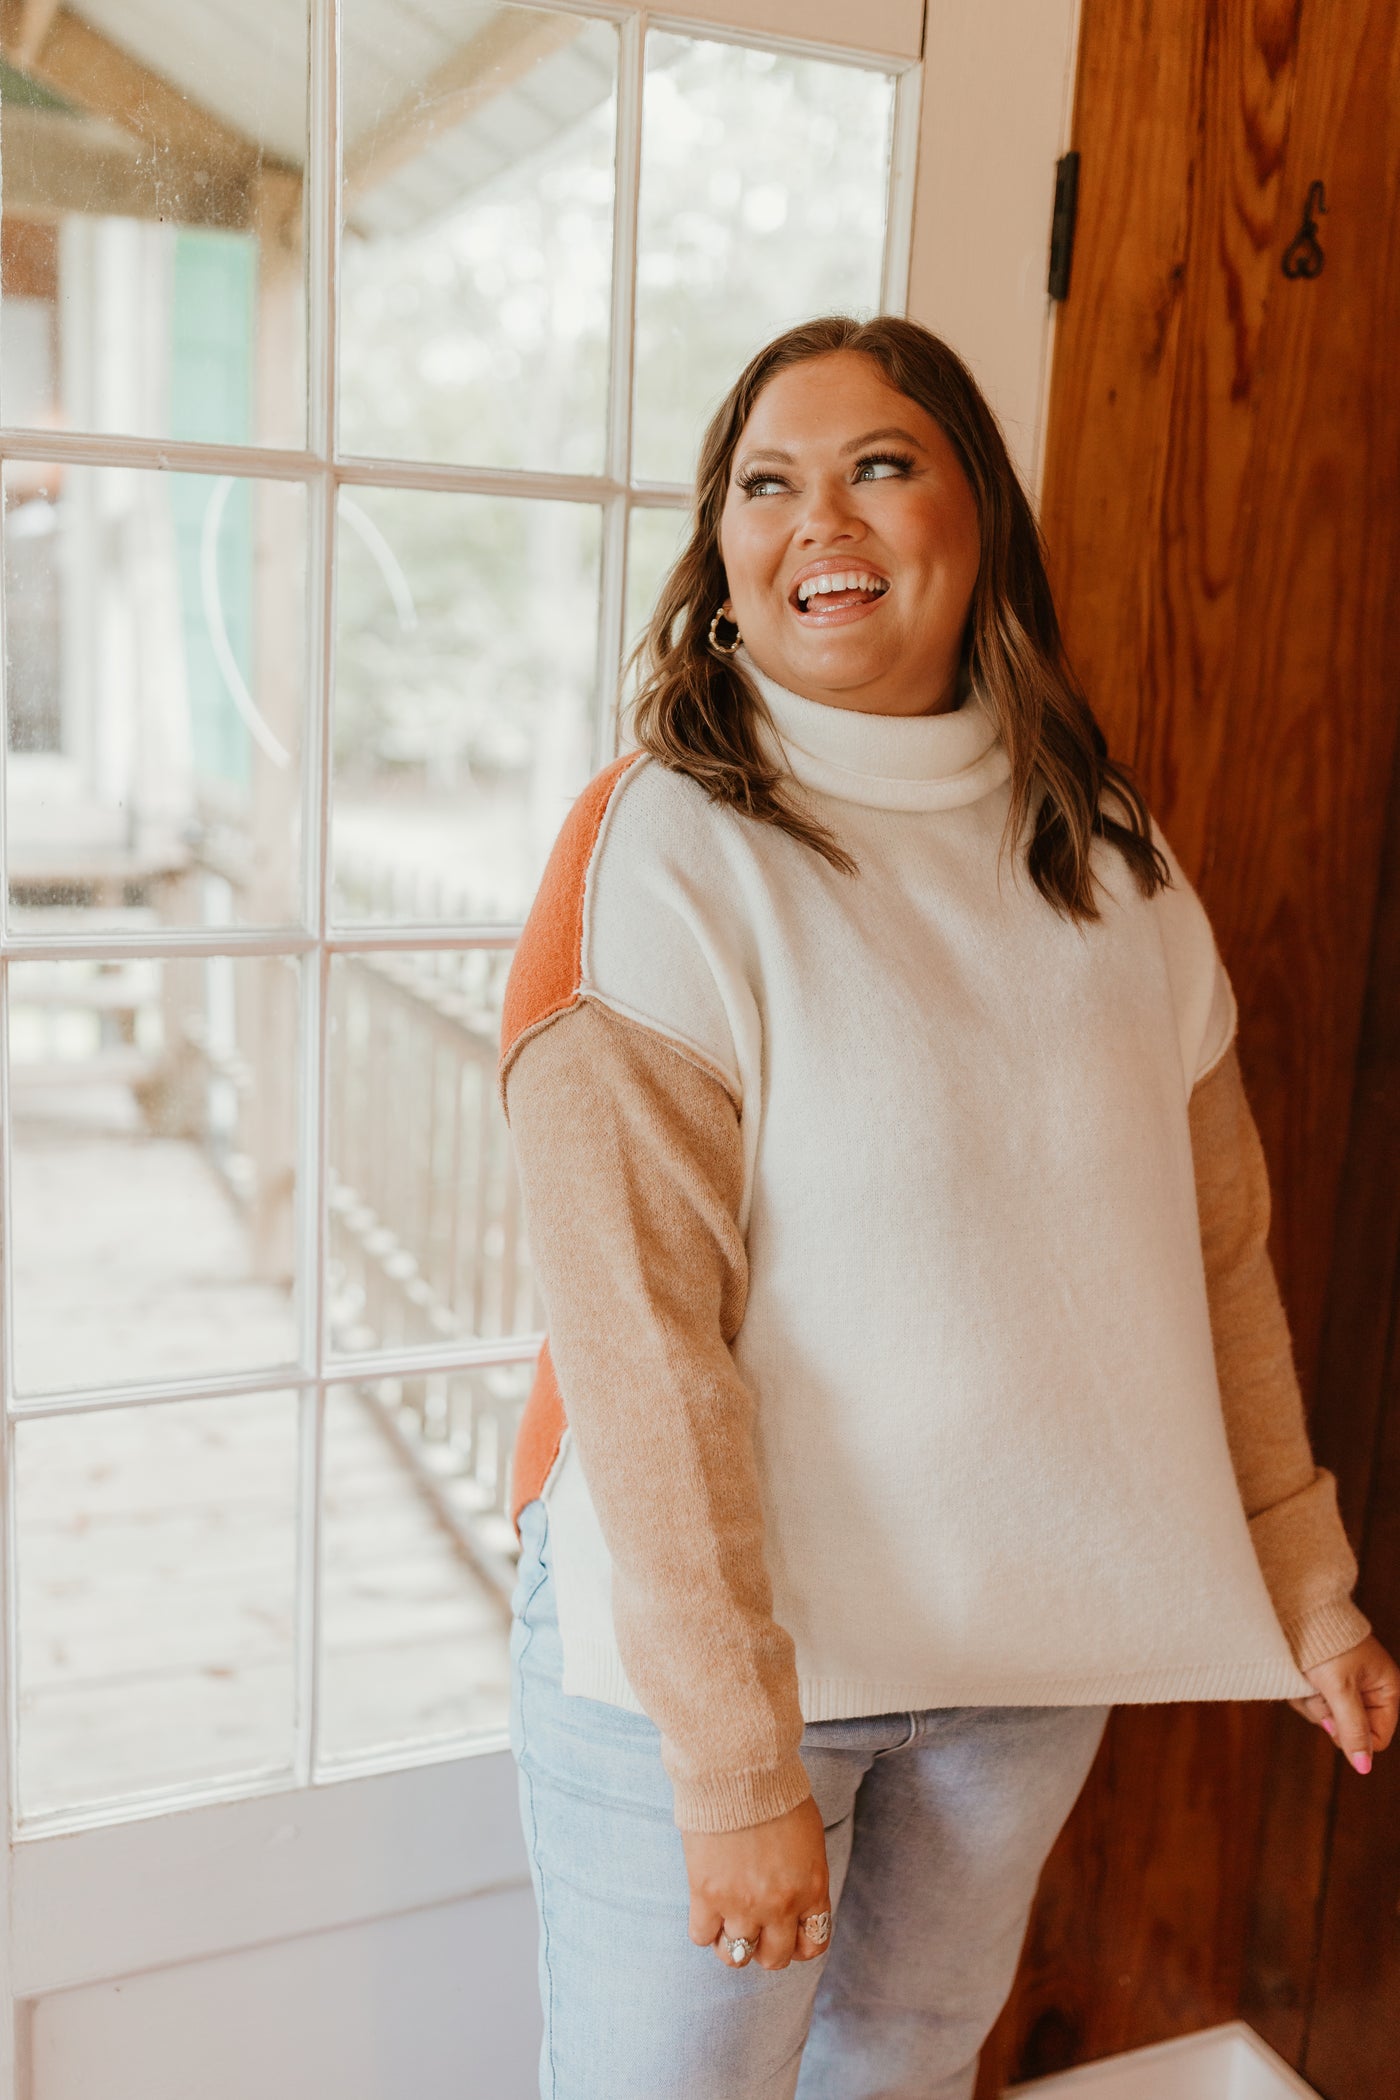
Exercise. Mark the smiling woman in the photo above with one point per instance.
(917, 1384)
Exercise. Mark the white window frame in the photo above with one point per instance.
(323, 471)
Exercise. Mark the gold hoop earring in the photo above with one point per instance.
(724, 648)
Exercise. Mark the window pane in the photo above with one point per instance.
(477, 258)
(654, 541)
(155, 693)
(154, 1168)
(152, 252)
(764, 181)
(464, 699)
(427, 1243)
(156, 1558)
(417, 1560)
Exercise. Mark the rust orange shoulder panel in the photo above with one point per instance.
(548, 962)
(538, 1438)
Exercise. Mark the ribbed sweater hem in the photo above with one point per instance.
(594, 1672)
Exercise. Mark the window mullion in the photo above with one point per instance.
(627, 179)
(311, 1440)
(407, 1360)
(4, 806)
(266, 463)
(9, 1597)
(324, 160)
(612, 619)
(631, 64)
(99, 448)
(899, 212)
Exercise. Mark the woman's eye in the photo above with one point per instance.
(759, 484)
(880, 469)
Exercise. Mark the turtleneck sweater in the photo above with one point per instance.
(913, 1340)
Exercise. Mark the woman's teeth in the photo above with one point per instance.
(858, 581)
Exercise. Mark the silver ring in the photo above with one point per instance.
(738, 1949)
(817, 1927)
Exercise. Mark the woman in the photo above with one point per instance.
(917, 1385)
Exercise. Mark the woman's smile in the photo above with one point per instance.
(835, 591)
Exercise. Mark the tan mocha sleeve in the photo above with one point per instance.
(631, 1170)
(1291, 1503)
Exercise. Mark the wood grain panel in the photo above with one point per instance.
(1323, 1967)
(1190, 596)
(1353, 2040)
(1137, 128)
(1298, 799)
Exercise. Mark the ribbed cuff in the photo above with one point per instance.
(735, 1800)
(1328, 1629)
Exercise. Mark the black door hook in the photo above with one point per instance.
(1303, 257)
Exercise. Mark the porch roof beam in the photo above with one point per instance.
(498, 57)
(186, 143)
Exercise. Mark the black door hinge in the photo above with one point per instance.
(1062, 224)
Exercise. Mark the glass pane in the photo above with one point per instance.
(477, 259)
(654, 541)
(152, 262)
(764, 180)
(464, 699)
(154, 1168)
(156, 1549)
(155, 693)
(417, 1559)
(426, 1238)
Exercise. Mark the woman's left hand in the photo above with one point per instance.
(1356, 1701)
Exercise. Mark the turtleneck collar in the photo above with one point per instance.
(936, 761)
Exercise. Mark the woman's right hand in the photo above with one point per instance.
(757, 1883)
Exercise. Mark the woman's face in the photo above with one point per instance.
(838, 476)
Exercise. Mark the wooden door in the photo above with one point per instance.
(1222, 507)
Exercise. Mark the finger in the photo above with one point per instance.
(1382, 1703)
(705, 1922)
(776, 1945)
(1353, 1726)
(1313, 1708)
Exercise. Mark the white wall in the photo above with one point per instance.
(437, 2004)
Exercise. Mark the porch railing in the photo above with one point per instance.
(426, 1238)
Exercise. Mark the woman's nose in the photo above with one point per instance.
(829, 513)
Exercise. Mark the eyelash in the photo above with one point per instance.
(754, 480)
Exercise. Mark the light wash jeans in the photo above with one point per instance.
(937, 1826)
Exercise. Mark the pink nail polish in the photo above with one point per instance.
(1362, 1760)
(1330, 1726)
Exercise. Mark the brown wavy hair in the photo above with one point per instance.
(696, 711)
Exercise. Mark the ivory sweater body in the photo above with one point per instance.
(867, 1222)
